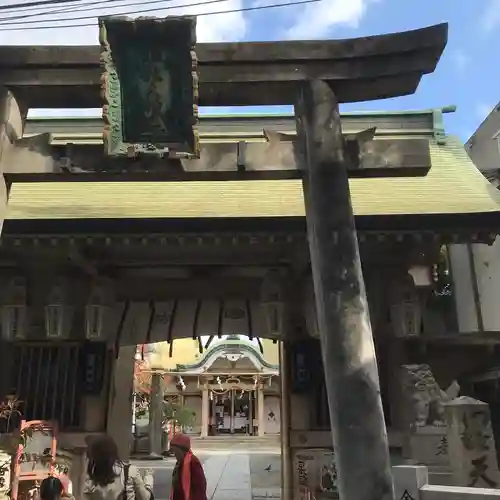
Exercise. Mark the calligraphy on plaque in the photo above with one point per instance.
(149, 86)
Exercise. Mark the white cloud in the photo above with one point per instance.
(215, 28)
(490, 17)
(315, 20)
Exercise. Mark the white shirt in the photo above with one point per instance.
(137, 488)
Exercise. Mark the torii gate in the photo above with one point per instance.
(315, 77)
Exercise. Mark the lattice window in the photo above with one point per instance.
(48, 383)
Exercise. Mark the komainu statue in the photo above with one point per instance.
(426, 396)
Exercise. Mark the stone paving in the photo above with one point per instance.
(231, 475)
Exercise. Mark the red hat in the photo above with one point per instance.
(182, 441)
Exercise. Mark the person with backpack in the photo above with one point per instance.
(108, 478)
(188, 478)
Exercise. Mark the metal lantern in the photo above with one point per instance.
(95, 314)
(272, 301)
(14, 310)
(58, 313)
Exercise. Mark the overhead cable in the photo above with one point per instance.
(72, 8)
(196, 4)
(38, 3)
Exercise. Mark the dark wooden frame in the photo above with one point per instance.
(173, 34)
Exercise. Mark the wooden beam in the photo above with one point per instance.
(275, 159)
(484, 338)
(245, 73)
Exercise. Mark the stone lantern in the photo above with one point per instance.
(273, 303)
(96, 313)
(14, 310)
(58, 313)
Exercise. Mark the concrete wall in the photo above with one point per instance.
(476, 276)
(484, 145)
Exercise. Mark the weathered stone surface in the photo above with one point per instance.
(429, 446)
(424, 396)
(471, 443)
(408, 479)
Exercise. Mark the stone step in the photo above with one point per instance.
(233, 442)
(440, 478)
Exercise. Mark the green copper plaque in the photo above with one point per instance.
(149, 85)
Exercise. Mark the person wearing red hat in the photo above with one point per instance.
(188, 478)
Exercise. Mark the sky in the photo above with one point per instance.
(467, 76)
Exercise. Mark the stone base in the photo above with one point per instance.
(427, 446)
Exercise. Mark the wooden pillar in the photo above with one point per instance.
(156, 415)
(250, 413)
(357, 419)
(231, 425)
(260, 411)
(286, 459)
(119, 421)
(205, 412)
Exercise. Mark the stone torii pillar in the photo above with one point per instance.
(350, 365)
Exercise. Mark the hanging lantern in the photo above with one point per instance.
(14, 310)
(58, 313)
(272, 302)
(406, 308)
(96, 313)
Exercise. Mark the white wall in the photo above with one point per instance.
(484, 145)
(272, 407)
(486, 265)
(462, 288)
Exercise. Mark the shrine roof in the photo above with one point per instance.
(236, 345)
(453, 186)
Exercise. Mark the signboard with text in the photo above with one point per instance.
(149, 86)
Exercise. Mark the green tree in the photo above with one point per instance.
(177, 414)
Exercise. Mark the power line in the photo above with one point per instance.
(38, 3)
(229, 11)
(80, 8)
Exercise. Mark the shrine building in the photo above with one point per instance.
(90, 269)
(232, 387)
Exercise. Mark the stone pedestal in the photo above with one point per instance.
(427, 445)
(408, 479)
(471, 444)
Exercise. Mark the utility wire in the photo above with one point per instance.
(80, 8)
(229, 11)
(39, 3)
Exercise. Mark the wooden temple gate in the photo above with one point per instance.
(315, 77)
